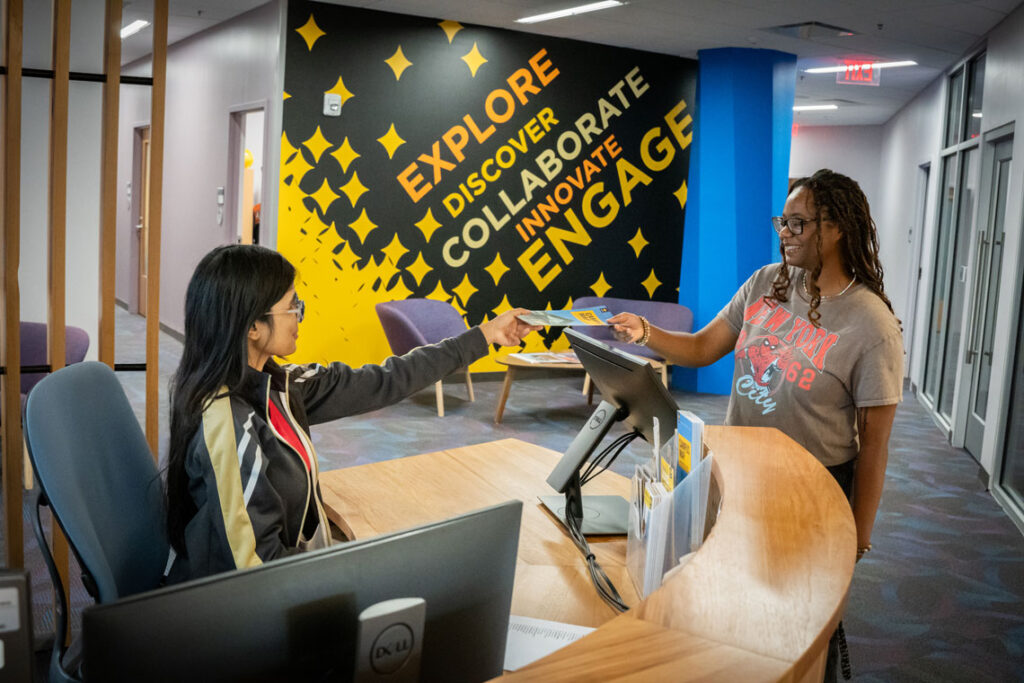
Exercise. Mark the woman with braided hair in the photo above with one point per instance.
(819, 351)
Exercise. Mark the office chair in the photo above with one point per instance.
(411, 323)
(97, 475)
(32, 342)
(666, 315)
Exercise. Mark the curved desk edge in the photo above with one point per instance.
(762, 596)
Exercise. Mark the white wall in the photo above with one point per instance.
(232, 64)
(83, 191)
(909, 140)
(850, 150)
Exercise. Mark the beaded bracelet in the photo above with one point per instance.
(861, 551)
(646, 336)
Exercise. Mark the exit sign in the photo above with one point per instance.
(859, 73)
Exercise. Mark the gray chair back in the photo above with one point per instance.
(95, 467)
(410, 323)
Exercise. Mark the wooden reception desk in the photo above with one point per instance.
(758, 602)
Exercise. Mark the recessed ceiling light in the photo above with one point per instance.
(815, 107)
(840, 69)
(976, 114)
(582, 9)
(133, 28)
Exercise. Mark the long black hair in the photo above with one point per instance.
(231, 288)
(839, 199)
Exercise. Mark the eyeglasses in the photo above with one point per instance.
(298, 309)
(795, 225)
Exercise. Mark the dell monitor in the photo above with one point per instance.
(296, 619)
(631, 392)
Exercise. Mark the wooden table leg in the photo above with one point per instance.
(509, 376)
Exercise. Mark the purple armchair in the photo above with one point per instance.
(33, 352)
(411, 323)
(669, 316)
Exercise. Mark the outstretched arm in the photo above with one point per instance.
(507, 329)
(681, 348)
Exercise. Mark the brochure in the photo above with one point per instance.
(597, 315)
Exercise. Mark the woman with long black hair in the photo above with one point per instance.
(819, 351)
(241, 472)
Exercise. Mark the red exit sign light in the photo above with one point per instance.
(859, 73)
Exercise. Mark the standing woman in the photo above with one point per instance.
(819, 351)
(242, 473)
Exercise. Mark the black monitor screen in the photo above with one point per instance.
(630, 384)
(295, 619)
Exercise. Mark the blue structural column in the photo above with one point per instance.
(739, 169)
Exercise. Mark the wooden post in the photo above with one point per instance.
(108, 179)
(56, 321)
(13, 469)
(156, 193)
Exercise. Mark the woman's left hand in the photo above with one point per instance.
(507, 329)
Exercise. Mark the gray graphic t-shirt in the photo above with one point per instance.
(809, 381)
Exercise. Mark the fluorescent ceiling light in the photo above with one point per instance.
(976, 114)
(133, 28)
(839, 69)
(815, 107)
(582, 9)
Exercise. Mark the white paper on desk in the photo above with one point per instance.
(530, 639)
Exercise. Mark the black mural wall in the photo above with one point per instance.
(484, 167)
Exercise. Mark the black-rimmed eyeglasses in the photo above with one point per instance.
(795, 225)
(298, 309)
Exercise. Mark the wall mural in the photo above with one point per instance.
(479, 166)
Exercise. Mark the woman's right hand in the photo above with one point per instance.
(627, 327)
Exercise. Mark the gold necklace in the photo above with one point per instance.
(803, 281)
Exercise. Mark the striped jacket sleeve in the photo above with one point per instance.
(333, 391)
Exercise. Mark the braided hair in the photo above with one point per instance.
(838, 199)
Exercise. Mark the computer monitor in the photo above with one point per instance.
(631, 392)
(295, 619)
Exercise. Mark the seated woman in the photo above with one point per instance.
(242, 473)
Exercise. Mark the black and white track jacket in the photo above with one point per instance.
(255, 500)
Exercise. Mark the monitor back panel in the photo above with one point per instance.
(296, 619)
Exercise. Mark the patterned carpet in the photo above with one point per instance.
(940, 598)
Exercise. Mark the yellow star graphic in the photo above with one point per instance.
(316, 144)
(286, 96)
(428, 225)
(297, 168)
(601, 287)
(325, 196)
(450, 28)
(464, 291)
(362, 225)
(638, 242)
(340, 89)
(419, 268)
(681, 195)
(398, 62)
(354, 189)
(345, 155)
(439, 293)
(398, 290)
(310, 32)
(502, 307)
(346, 258)
(497, 268)
(651, 284)
(287, 149)
(474, 60)
(395, 250)
(391, 141)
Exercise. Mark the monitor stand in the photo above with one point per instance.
(602, 515)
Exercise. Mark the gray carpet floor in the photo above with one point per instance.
(941, 597)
